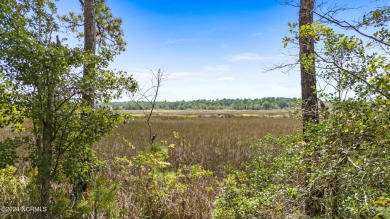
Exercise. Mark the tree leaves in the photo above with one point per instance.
(42, 80)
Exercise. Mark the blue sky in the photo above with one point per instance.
(208, 49)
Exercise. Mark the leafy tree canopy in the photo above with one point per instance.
(42, 82)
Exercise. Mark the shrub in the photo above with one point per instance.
(153, 188)
(13, 191)
(341, 167)
(268, 186)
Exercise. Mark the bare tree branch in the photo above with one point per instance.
(150, 94)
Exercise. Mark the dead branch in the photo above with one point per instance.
(150, 95)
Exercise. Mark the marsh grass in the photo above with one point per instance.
(210, 140)
(215, 141)
(204, 140)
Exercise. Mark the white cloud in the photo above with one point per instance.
(174, 41)
(212, 30)
(259, 34)
(253, 57)
(179, 75)
(186, 76)
(245, 57)
(217, 68)
(139, 72)
(225, 79)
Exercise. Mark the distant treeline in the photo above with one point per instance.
(266, 103)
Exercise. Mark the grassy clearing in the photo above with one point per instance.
(215, 139)
(196, 142)
(176, 182)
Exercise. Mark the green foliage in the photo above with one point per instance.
(99, 201)
(342, 165)
(383, 207)
(155, 189)
(266, 103)
(8, 151)
(348, 158)
(42, 80)
(13, 189)
(269, 185)
(149, 181)
(109, 34)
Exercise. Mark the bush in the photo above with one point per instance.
(8, 148)
(153, 188)
(340, 166)
(269, 186)
(13, 191)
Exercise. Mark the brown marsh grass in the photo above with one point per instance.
(215, 139)
(212, 139)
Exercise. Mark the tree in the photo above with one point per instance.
(307, 59)
(89, 8)
(359, 81)
(344, 157)
(42, 82)
(101, 29)
(266, 105)
(308, 86)
(307, 62)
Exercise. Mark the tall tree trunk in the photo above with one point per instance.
(45, 168)
(309, 96)
(46, 159)
(89, 7)
(89, 43)
(308, 72)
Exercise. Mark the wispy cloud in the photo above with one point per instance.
(180, 75)
(225, 79)
(140, 72)
(181, 40)
(259, 34)
(212, 30)
(187, 76)
(217, 68)
(246, 57)
(253, 57)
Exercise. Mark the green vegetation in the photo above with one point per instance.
(41, 83)
(266, 103)
(339, 166)
(231, 165)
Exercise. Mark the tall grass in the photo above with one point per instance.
(213, 141)
(174, 183)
